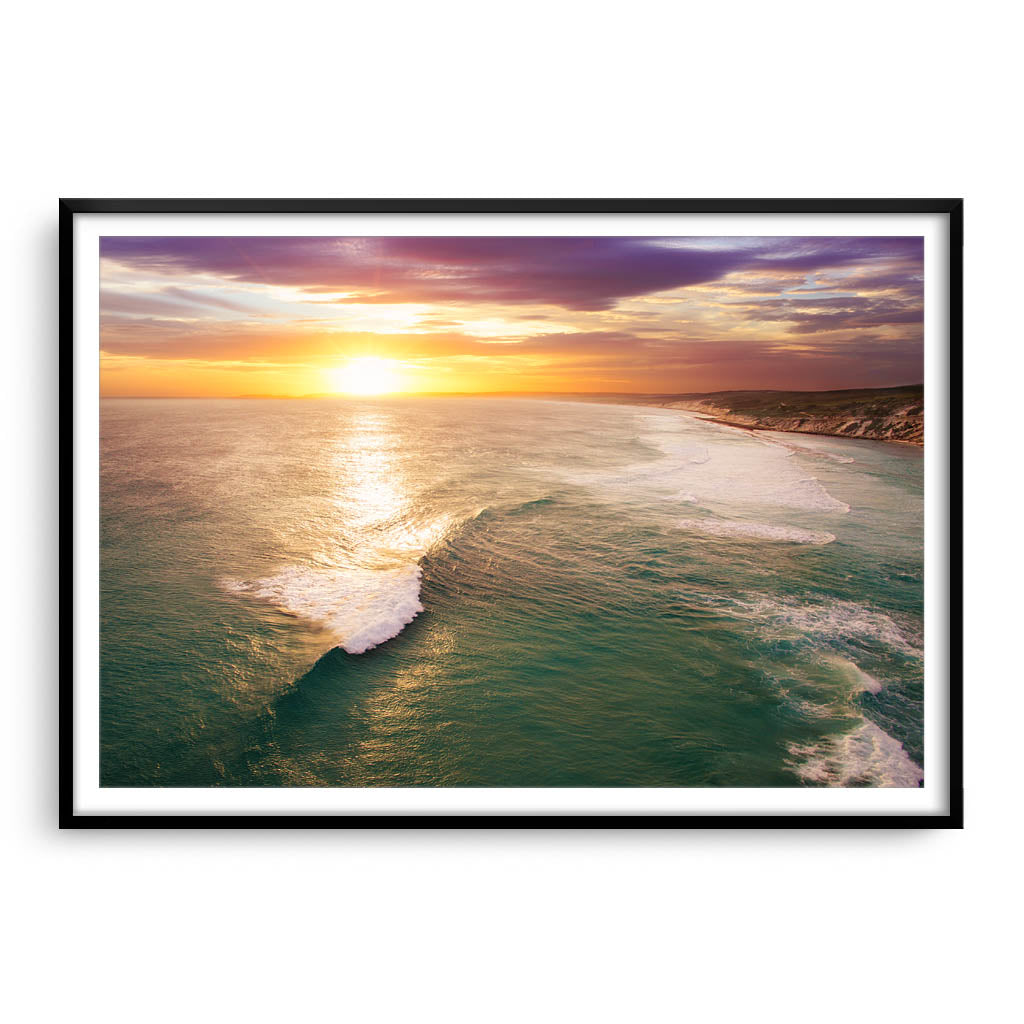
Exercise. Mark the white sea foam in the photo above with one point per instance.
(833, 621)
(791, 448)
(857, 677)
(715, 466)
(360, 608)
(756, 531)
(822, 454)
(772, 443)
(866, 755)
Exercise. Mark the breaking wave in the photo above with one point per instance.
(735, 470)
(792, 448)
(858, 679)
(834, 622)
(864, 756)
(360, 608)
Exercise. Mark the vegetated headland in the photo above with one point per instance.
(880, 414)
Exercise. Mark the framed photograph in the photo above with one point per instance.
(525, 513)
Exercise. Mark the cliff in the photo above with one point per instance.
(880, 414)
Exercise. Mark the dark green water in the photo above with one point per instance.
(485, 592)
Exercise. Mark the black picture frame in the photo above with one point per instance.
(950, 208)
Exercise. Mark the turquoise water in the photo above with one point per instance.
(502, 592)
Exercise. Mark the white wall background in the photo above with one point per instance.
(532, 99)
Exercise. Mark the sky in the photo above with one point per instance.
(198, 316)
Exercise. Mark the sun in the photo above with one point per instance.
(365, 375)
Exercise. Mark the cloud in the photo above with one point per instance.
(627, 351)
(171, 301)
(656, 314)
(575, 273)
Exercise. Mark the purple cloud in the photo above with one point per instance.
(576, 273)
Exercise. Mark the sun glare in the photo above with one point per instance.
(367, 375)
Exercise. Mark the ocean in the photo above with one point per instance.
(503, 592)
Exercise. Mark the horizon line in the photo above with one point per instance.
(521, 394)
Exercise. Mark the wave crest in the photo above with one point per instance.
(866, 755)
(834, 623)
(360, 608)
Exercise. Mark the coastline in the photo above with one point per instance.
(884, 414)
(788, 430)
